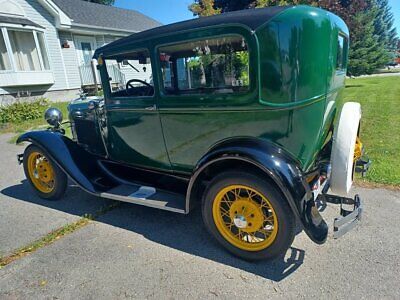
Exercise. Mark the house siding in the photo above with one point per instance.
(70, 60)
(39, 15)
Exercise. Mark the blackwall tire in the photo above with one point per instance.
(343, 146)
(284, 215)
(60, 179)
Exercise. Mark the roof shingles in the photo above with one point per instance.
(109, 17)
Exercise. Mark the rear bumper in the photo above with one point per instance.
(349, 218)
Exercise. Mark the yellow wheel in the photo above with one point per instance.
(46, 178)
(248, 216)
(245, 218)
(40, 172)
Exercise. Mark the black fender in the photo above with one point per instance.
(281, 167)
(77, 163)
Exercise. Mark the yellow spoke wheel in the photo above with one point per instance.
(40, 172)
(358, 149)
(245, 217)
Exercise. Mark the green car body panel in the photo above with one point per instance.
(293, 97)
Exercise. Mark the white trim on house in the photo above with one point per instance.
(105, 30)
(62, 20)
(14, 77)
(11, 8)
(26, 78)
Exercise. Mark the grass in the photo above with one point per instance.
(380, 125)
(44, 241)
(55, 235)
(24, 126)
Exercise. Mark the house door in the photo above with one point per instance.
(85, 46)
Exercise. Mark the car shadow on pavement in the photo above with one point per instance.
(181, 232)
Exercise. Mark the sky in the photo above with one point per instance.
(164, 11)
(170, 11)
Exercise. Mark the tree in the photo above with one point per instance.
(384, 25)
(204, 8)
(105, 2)
(385, 30)
(370, 22)
(366, 52)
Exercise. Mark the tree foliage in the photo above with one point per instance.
(105, 2)
(370, 22)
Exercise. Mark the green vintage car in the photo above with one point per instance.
(239, 114)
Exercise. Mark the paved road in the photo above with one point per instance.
(138, 252)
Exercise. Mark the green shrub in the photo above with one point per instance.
(23, 111)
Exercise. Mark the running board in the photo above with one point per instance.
(147, 196)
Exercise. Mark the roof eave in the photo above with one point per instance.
(80, 26)
(95, 30)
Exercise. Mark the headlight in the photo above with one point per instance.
(53, 116)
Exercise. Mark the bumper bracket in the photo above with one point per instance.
(348, 219)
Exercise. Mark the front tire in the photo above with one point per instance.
(248, 216)
(46, 178)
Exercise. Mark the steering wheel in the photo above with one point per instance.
(129, 86)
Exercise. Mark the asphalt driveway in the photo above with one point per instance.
(138, 252)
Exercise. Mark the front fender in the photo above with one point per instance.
(77, 163)
(282, 168)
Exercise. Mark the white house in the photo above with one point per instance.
(46, 46)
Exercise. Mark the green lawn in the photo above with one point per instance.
(380, 129)
(21, 127)
(380, 125)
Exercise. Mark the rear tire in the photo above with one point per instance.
(45, 177)
(244, 234)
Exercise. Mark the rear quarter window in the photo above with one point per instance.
(208, 66)
(341, 54)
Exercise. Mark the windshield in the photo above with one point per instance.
(130, 74)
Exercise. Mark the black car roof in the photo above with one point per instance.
(252, 18)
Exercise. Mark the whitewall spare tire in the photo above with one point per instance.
(343, 147)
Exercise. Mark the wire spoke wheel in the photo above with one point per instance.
(245, 218)
(41, 172)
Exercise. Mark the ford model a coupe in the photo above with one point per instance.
(239, 114)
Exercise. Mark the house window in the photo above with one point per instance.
(214, 65)
(26, 50)
(4, 60)
(43, 50)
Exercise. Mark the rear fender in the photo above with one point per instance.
(78, 164)
(279, 166)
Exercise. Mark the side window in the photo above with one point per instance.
(213, 66)
(341, 53)
(130, 74)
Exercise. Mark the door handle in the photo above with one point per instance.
(153, 107)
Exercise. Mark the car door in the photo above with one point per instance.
(134, 134)
(206, 89)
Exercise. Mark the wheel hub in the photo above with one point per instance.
(246, 215)
(43, 171)
(40, 172)
(240, 221)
